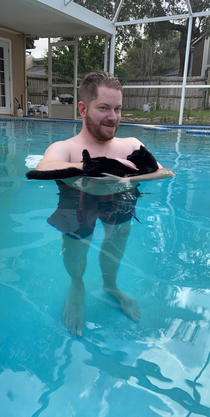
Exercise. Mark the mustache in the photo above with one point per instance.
(110, 124)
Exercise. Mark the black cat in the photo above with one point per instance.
(98, 167)
(144, 161)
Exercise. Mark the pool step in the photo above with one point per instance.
(196, 132)
(155, 127)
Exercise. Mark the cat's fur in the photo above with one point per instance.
(98, 167)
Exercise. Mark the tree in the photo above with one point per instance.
(91, 49)
(146, 58)
(138, 9)
(90, 57)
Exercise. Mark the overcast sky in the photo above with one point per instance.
(41, 46)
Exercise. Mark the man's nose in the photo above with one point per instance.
(112, 114)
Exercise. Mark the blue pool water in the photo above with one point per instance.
(157, 367)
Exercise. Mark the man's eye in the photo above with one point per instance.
(118, 109)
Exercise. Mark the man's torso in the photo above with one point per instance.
(115, 148)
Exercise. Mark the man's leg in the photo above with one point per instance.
(75, 259)
(112, 251)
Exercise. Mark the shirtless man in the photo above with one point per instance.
(100, 108)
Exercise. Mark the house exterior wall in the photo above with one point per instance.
(197, 58)
(206, 56)
(29, 62)
(18, 65)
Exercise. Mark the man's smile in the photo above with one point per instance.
(109, 124)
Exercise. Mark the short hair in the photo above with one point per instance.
(90, 82)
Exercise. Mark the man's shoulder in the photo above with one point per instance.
(66, 142)
(129, 140)
(61, 146)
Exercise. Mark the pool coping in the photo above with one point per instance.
(200, 129)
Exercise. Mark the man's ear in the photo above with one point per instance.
(82, 108)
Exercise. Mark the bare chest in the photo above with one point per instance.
(115, 150)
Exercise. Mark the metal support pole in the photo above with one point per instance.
(187, 54)
(26, 89)
(118, 11)
(106, 54)
(49, 80)
(112, 53)
(75, 76)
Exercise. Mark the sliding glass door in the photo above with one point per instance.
(4, 78)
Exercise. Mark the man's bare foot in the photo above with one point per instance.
(73, 315)
(129, 306)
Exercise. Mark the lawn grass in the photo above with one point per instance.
(190, 117)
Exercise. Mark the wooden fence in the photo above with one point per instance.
(164, 98)
(37, 88)
(134, 98)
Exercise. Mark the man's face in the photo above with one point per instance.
(103, 115)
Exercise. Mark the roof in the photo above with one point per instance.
(65, 18)
(52, 18)
(174, 73)
(203, 35)
(36, 71)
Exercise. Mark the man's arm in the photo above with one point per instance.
(57, 156)
(161, 173)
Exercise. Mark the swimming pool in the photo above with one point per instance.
(157, 367)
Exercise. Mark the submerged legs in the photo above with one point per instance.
(112, 251)
(75, 259)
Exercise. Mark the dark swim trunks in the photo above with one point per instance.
(77, 211)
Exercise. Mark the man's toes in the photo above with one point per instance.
(80, 327)
(135, 318)
(79, 332)
(73, 329)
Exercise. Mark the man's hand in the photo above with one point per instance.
(100, 165)
(127, 163)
